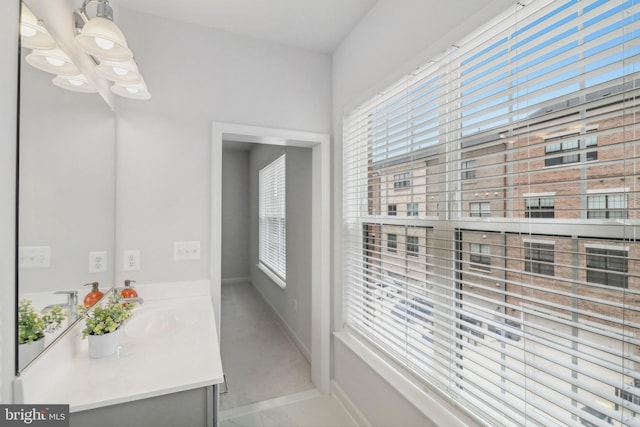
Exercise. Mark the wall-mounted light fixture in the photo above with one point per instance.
(100, 38)
(97, 37)
(48, 56)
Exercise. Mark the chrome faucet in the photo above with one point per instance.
(136, 299)
(71, 305)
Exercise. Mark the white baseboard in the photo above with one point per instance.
(347, 404)
(234, 280)
(303, 349)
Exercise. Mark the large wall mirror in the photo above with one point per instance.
(66, 192)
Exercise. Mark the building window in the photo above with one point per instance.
(392, 209)
(467, 170)
(553, 150)
(480, 209)
(413, 246)
(412, 209)
(539, 258)
(604, 206)
(480, 256)
(591, 141)
(272, 245)
(557, 156)
(402, 180)
(392, 242)
(607, 267)
(539, 207)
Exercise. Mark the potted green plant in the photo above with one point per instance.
(102, 326)
(32, 327)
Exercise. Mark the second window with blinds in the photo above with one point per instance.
(272, 245)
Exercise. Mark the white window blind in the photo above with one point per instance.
(540, 335)
(272, 251)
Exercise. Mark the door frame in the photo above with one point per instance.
(320, 229)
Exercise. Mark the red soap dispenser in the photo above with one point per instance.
(94, 296)
(128, 291)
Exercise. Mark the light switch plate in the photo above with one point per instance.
(183, 251)
(34, 257)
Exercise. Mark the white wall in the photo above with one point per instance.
(293, 303)
(389, 42)
(8, 101)
(198, 75)
(235, 215)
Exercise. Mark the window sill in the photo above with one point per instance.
(272, 275)
(433, 405)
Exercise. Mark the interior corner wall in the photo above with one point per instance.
(389, 42)
(235, 214)
(293, 303)
(9, 16)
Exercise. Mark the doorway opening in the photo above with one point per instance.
(319, 229)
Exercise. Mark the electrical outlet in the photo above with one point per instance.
(183, 251)
(34, 257)
(131, 260)
(98, 262)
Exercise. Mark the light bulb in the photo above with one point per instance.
(132, 89)
(56, 62)
(76, 82)
(104, 43)
(27, 31)
(120, 71)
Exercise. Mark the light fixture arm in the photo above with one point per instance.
(80, 17)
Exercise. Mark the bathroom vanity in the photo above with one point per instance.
(166, 371)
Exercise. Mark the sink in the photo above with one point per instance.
(161, 321)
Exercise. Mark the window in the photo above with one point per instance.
(554, 150)
(413, 246)
(272, 245)
(591, 141)
(607, 267)
(392, 209)
(402, 180)
(562, 147)
(480, 209)
(603, 206)
(480, 256)
(392, 242)
(412, 209)
(533, 113)
(540, 207)
(538, 258)
(467, 170)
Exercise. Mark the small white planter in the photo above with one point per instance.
(28, 352)
(103, 345)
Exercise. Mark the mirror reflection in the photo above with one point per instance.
(66, 192)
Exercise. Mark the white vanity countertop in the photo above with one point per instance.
(169, 345)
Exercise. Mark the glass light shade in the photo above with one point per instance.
(133, 91)
(124, 72)
(33, 35)
(104, 40)
(52, 61)
(78, 83)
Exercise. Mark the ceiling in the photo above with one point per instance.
(316, 25)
